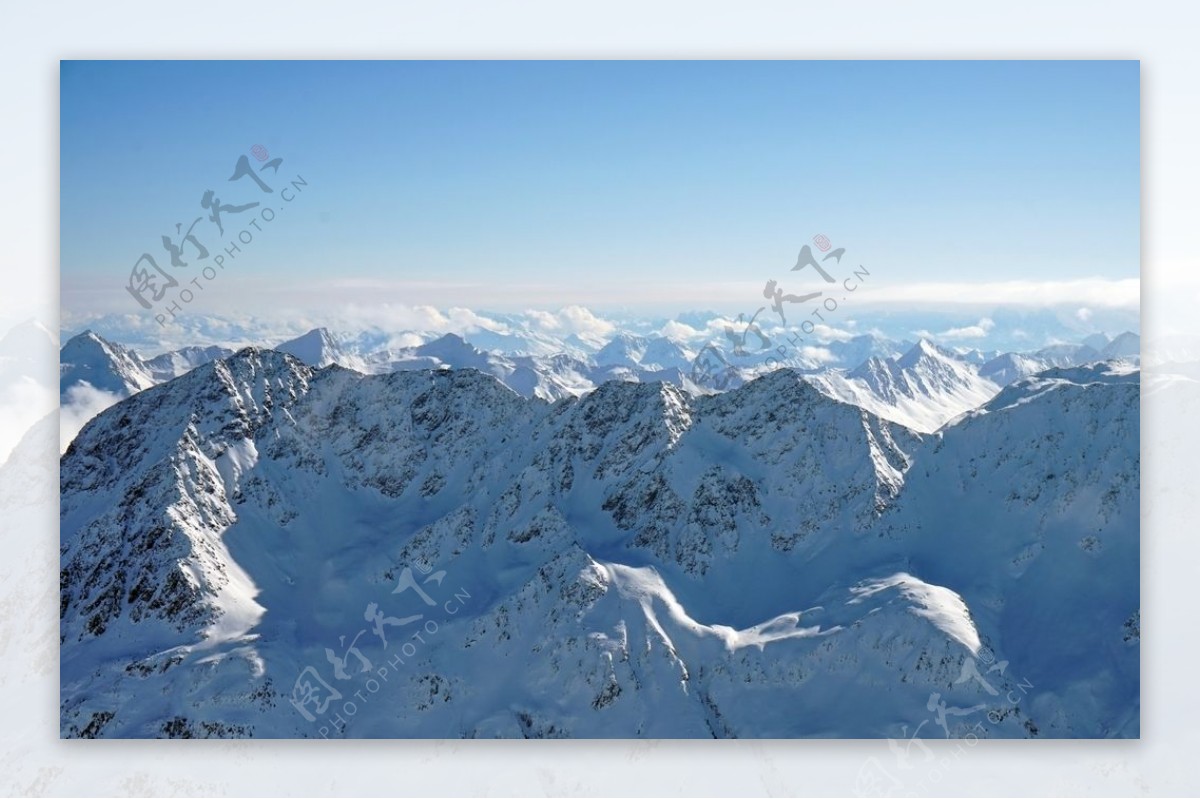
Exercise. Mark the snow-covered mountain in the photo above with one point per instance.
(922, 389)
(653, 353)
(1011, 366)
(1125, 346)
(103, 365)
(852, 352)
(1065, 355)
(95, 373)
(177, 362)
(623, 350)
(110, 367)
(251, 548)
(581, 332)
(548, 377)
(454, 352)
(1035, 522)
(663, 353)
(318, 348)
(921, 386)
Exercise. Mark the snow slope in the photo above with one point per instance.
(104, 365)
(94, 374)
(922, 389)
(1009, 367)
(319, 347)
(177, 362)
(1037, 523)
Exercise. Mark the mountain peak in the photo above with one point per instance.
(317, 348)
(450, 344)
(452, 338)
(92, 344)
(104, 365)
(1099, 379)
(923, 349)
(86, 338)
(623, 349)
(320, 334)
(1126, 345)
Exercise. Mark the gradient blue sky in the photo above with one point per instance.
(542, 184)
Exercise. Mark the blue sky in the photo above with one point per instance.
(513, 185)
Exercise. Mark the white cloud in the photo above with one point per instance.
(825, 333)
(544, 320)
(405, 340)
(82, 403)
(977, 330)
(464, 320)
(579, 320)
(1091, 292)
(681, 332)
(1083, 314)
(571, 320)
(817, 355)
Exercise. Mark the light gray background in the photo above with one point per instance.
(1163, 35)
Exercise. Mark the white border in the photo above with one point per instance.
(1162, 35)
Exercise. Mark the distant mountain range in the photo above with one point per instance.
(921, 386)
